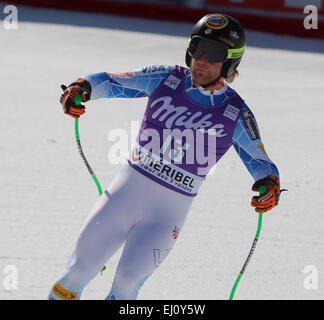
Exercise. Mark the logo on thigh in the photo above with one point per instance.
(175, 232)
(158, 257)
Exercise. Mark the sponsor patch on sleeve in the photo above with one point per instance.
(121, 75)
(250, 124)
(172, 82)
(231, 112)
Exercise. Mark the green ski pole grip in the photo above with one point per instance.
(262, 190)
(77, 99)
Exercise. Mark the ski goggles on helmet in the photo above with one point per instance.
(213, 50)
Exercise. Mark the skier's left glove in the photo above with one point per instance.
(269, 188)
(79, 90)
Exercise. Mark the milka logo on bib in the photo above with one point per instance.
(180, 116)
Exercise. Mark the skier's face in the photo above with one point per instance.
(203, 71)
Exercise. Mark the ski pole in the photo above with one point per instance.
(77, 101)
(262, 189)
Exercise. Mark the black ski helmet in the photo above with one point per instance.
(224, 29)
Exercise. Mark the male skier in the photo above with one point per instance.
(192, 118)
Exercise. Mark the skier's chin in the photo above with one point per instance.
(199, 81)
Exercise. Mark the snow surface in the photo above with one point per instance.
(46, 191)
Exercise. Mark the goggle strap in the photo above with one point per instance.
(235, 53)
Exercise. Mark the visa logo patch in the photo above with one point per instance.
(154, 68)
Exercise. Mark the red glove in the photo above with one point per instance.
(269, 193)
(70, 106)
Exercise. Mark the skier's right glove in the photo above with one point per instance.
(73, 95)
